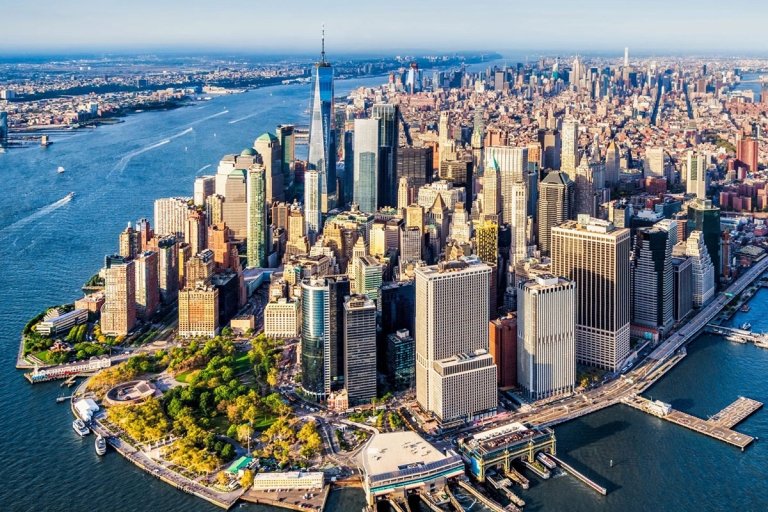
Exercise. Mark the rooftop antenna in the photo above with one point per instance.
(322, 48)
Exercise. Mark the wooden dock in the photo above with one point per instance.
(718, 426)
(580, 476)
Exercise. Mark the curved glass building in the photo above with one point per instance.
(315, 339)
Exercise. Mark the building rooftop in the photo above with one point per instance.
(396, 451)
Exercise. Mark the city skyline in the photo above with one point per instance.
(588, 27)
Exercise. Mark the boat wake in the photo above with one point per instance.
(123, 163)
(217, 114)
(41, 212)
(203, 168)
(243, 118)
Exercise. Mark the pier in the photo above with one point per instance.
(718, 426)
(482, 498)
(580, 476)
(739, 335)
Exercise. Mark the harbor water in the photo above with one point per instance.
(50, 245)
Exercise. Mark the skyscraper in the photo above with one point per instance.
(595, 254)
(696, 174)
(204, 186)
(492, 191)
(451, 323)
(167, 269)
(118, 314)
(320, 191)
(747, 151)
(569, 158)
(705, 217)
(257, 217)
(702, 267)
(360, 349)
(287, 141)
(612, 164)
(517, 201)
(502, 341)
(652, 279)
(268, 146)
(546, 331)
(415, 164)
(147, 284)
(556, 201)
(315, 339)
(388, 117)
(366, 170)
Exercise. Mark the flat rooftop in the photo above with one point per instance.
(395, 451)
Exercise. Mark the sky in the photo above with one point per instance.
(383, 26)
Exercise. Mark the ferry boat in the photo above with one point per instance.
(746, 326)
(101, 445)
(60, 170)
(79, 427)
(745, 308)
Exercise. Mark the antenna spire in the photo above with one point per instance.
(322, 47)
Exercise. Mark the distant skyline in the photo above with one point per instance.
(586, 26)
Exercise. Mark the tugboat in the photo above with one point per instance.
(79, 427)
(101, 445)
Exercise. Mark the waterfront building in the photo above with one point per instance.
(388, 117)
(702, 269)
(199, 311)
(288, 481)
(55, 322)
(452, 319)
(396, 463)
(366, 169)
(147, 284)
(401, 360)
(652, 279)
(171, 216)
(595, 254)
(204, 187)
(502, 341)
(556, 203)
(546, 331)
(128, 242)
(256, 245)
(281, 319)
(118, 314)
(268, 146)
(360, 349)
(682, 272)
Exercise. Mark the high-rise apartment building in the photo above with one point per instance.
(171, 216)
(654, 162)
(747, 151)
(204, 186)
(556, 203)
(257, 243)
(360, 349)
(199, 311)
(546, 332)
(595, 254)
(168, 268)
(196, 232)
(147, 284)
(118, 314)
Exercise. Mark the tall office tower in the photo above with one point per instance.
(626, 57)
(268, 146)
(171, 216)
(587, 184)
(413, 78)
(145, 234)
(118, 314)
(546, 336)
(287, 142)
(577, 70)
(339, 288)
(415, 164)
(549, 140)
(204, 186)
(556, 203)
(235, 208)
(388, 117)
(347, 181)
(492, 205)
(404, 195)
(451, 321)
(401, 360)
(654, 162)
(366, 173)
(199, 311)
(320, 190)
(147, 284)
(167, 269)
(196, 231)
(279, 215)
(184, 254)
(214, 209)
(702, 269)
(682, 271)
(414, 216)
(512, 165)
(199, 268)
(705, 217)
(595, 254)
(696, 174)
(368, 276)
(360, 349)
(461, 227)
(569, 158)
(410, 244)
(478, 134)
(257, 217)
(652, 280)
(219, 244)
(487, 237)
(612, 164)
(747, 151)
(518, 203)
(3, 127)
(502, 339)
(444, 141)
(129, 242)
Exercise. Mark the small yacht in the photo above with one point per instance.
(101, 445)
(746, 326)
(79, 426)
(60, 170)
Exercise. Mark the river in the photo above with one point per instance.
(49, 247)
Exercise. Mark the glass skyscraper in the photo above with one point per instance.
(322, 158)
(366, 167)
(315, 339)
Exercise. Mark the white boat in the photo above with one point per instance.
(101, 445)
(60, 170)
(69, 196)
(746, 326)
(79, 427)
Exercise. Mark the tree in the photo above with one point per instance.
(246, 481)
(222, 478)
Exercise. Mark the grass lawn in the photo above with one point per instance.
(264, 422)
(242, 364)
(184, 376)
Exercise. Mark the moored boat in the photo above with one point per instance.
(79, 427)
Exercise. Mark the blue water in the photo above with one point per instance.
(49, 247)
